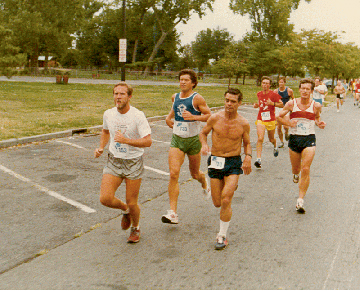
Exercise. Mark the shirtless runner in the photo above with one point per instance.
(229, 131)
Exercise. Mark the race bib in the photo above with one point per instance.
(122, 148)
(217, 163)
(303, 128)
(181, 128)
(265, 115)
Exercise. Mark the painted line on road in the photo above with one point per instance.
(47, 191)
(146, 167)
(167, 142)
(72, 144)
(157, 171)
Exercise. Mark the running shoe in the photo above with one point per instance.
(296, 178)
(170, 217)
(276, 152)
(125, 221)
(258, 164)
(134, 235)
(221, 242)
(281, 145)
(287, 136)
(300, 205)
(207, 192)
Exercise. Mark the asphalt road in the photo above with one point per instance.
(56, 235)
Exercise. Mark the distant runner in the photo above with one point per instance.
(286, 94)
(267, 101)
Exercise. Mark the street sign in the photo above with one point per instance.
(122, 50)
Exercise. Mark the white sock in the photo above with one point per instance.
(258, 159)
(223, 227)
(127, 211)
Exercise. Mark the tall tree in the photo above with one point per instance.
(9, 54)
(43, 27)
(169, 13)
(209, 44)
(269, 18)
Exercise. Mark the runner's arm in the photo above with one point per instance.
(169, 118)
(287, 108)
(200, 104)
(247, 150)
(320, 124)
(104, 139)
(143, 142)
(205, 149)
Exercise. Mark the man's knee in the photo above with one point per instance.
(105, 200)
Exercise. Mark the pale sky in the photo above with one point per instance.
(327, 15)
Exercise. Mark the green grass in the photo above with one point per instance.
(28, 109)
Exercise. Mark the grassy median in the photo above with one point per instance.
(28, 109)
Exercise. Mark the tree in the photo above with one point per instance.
(9, 54)
(169, 13)
(44, 27)
(269, 18)
(209, 45)
(234, 61)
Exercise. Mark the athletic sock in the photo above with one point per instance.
(258, 159)
(223, 227)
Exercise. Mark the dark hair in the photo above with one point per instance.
(234, 91)
(128, 87)
(192, 75)
(266, 78)
(282, 78)
(307, 81)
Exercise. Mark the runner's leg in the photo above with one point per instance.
(109, 185)
(132, 194)
(176, 159)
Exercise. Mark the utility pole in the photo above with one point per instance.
(122, 43)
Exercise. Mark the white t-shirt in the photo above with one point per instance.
(317, 95)
(133, 124)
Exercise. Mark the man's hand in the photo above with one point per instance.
(119, 137)
(98, 152)
(246, 166)
(293, 123)
(205, 150)
(321, 124)
(187, 115)
(270, 103)
(256, 105)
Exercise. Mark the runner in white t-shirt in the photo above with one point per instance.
(129, 133)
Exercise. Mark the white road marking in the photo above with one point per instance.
(167, 142)
(47, 191)
(72, 144)
(156, 170)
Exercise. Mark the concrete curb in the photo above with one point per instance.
(43, 137)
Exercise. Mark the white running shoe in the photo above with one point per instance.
(300, 205)
(207, 192)
(170, 217)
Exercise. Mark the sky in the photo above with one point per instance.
(327, 15)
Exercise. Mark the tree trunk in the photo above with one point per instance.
(244, 79)
(155, 50)
(135, 50)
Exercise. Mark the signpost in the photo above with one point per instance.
(122, 44)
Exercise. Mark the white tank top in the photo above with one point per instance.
(305, 120)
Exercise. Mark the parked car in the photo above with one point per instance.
(328, 84)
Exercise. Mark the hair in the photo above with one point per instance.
(282, 78)
(266, 78)
(317, 77)
(192, 74)
(234, 91)
(307, 81)
(128, 87)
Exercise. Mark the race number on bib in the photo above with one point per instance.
(303, 128)
(181, 128)
(122, 148)
(265, 115)
(217, 163)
